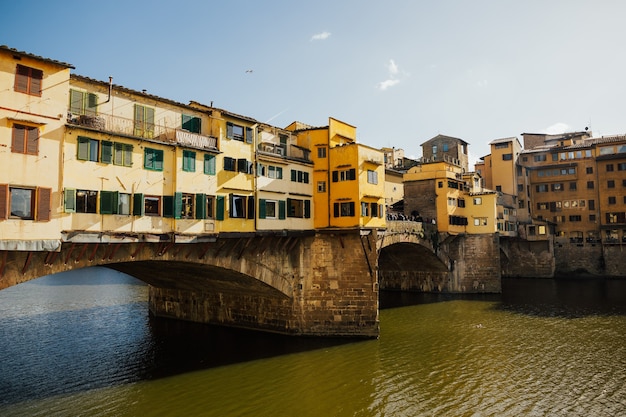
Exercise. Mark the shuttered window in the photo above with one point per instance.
(144, 121)
(28, 80)
(191, 123)
(82, 102)
(209, 164)
(25, 139)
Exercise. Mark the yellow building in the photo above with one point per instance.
(348, 177)
(33, 96)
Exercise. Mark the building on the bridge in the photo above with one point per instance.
(452, 148)
(348, 177)
(34, 96)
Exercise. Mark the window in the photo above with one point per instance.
(508, 156)
(113, 202)
(621, 166)
(478, 201)
(189, 161)
(572, 186)
(321, 152)
(372, 177)
(152, 205)
(25, 139)
(25, 203)
(365, 209)
(236, 132)
(502, 145)
(542, 188)
(275, 172)
(86, 201)
(499, 188)
(591, 204)
(590, 185)
(245, 166)
(123, 206)
(230, 164)
(191, 123)
(123, 154)
(153, 159)
(187, 205)
(22, 203)
(238, 205)
(434, 149)
(144, 121)
(610, 184)
(209, 164)
(321, 186)
(461, 202)
(299, 176)
(609, 167)
(540, 158)
(556, 187)
(612, 200)
(28, 80)
(88, 149)
(344, 209)
(268, 209)
(592, 217)
(83, 103)
(575, 218)
(589, 170)
(480, 221)
(375, 209)
(444, 147)
(452, 201)
(298, 208)
(344, 175)
(440, 184)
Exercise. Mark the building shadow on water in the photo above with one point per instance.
(564, 297)
(397, 299)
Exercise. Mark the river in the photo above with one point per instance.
(82, 343)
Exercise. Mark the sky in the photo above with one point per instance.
(402, 72)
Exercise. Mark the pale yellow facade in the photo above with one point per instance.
(33, 103)
(394, 187)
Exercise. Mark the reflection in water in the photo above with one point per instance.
(83, 343)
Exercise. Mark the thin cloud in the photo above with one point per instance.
(384, 85)
(392, 80)
(320, 36)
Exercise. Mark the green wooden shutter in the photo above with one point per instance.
(307, 209)
(201, 212)
(106, 153)
(251, 207)
(186, 123)
(138, 206)
(149, 121)
(262, 208)
(128, 155)
(108, 202)
(282, 210)
(91, 105)
(220, 208)
(83, 148)
(70, 200)
(76, 102)
(178, 205)
(209, 164)
(158, 160)
(294, 175)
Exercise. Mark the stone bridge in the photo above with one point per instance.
(315, 283)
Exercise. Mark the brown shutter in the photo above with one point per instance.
(32, 141)
(44, 204)
(17, 144)
(4, 201)
(21, 79)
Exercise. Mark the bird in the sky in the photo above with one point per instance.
(249, 71)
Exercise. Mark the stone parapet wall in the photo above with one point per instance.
(476, 263)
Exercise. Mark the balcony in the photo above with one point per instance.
(285, 151)
(128, 127)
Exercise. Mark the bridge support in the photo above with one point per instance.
(333, 291)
